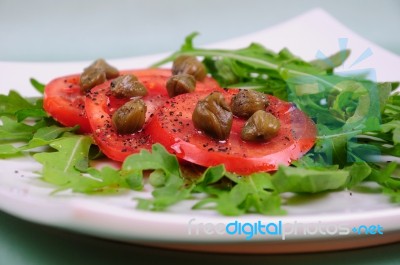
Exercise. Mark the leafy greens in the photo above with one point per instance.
(353, 130)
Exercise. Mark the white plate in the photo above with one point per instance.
(115, 217)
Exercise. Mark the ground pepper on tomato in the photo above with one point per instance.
(168, 121)
(65, 102)
(101, 104)
(177, 133)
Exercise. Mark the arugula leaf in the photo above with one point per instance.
(385, 176)
(64, 167)
(15, 105)
(8, 150)
(171, 189)
(259, 188)
(159, 158)
(289, 179)
(11, 130)
(249, 194)
(30, 113)
(332, 146)
(213, 181)
(37, 85)
(210, 176)
(333, 61)
(106, 180)
(358, 172)
(384, 90)
(394, 194)
(35, 136)
(59, 167)
(13, 102)
(393, 127)
(46, 135)
(246, 62)
(157, 178)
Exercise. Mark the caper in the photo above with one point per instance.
(185, 64)
(91, 78)
(213, 116)
(127, 86)
(247, 102)
(261, 126)
(130, 117)
(96, 73)
(180, 84)
(111, 72)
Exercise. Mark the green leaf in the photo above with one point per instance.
(30, 113)
(188, 45)
(13, 102)
(109, 180)
(68, 167)
(211, 181)
(82, 165)
(60, 167)
(167, 192)
(302, 180)
(12, 130)
(384, 90)
(245, 62)
(229, 203)
(158, 159)
(393, 194)
(252, 193)
(358, 172)
(172, 192)
(222, 70)
(385, 176)
(202, 204)
(37, 85)
(211, 175)
(394, 128)
(106, 180)
(333, 61)
(157, 178)
(51, 132)
(360, 152)
(8, 149)
(42, 137)
(332, 146)
(144, 204)
(134, 178)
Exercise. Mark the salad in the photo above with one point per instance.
(239, 128)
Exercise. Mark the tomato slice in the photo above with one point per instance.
(64, 101)
(100, 106)
(172, 126)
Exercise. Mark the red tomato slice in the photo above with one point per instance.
(172, 126)
(64, 101)
(100, 106)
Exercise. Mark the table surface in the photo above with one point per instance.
(35, 31)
